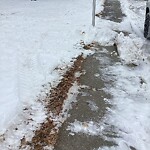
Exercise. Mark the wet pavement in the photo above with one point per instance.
(112, 11)
(92, 93)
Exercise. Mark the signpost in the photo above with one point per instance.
(93, 13)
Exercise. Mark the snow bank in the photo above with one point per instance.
(135, 12)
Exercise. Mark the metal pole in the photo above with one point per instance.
(93, 13)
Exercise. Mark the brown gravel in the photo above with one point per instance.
(47, 134)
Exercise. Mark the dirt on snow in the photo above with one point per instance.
(47, 134)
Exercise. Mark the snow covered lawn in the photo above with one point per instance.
(36, 37)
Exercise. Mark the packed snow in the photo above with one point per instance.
(36, 37)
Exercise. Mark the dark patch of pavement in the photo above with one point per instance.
(112, 11)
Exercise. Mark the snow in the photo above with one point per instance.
(72, 94)
(91, 128)
(99, 6)
(135, 12)
(92, 105)
(130, 111)
(23, 126)
(38, 36)
(134, 52)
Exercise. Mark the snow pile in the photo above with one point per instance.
(104, 36)
(99, 6)
(130, 114)
(130, 49)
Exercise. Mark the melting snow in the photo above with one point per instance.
(90, 128)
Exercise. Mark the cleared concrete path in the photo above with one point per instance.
(92, 93)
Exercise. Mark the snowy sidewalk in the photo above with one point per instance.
(83, 130)
(39, 42)
(124, 123)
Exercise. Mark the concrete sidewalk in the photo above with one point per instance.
(92, 93)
